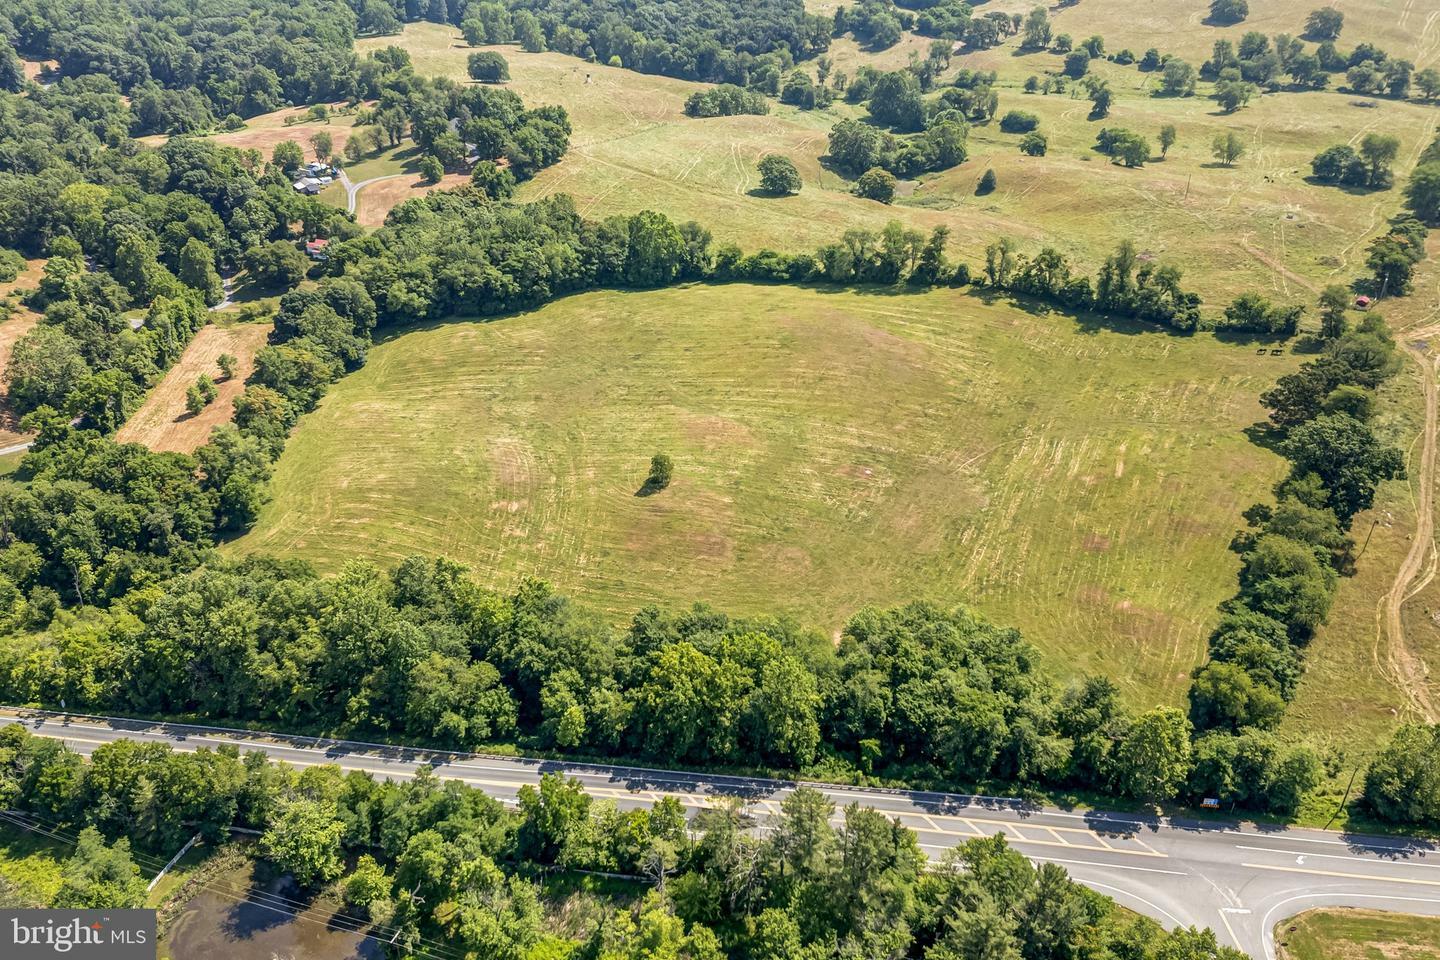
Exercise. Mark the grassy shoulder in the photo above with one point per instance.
(1358, 935)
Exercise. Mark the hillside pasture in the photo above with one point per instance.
(1258, 225)
(832, 449)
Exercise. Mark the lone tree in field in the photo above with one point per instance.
(986, 184)
(662, 469)
(227, 364)
(1229, 11)
(431, 170)
(488, 67)
(778, 175)
(194, 401)
(1324, 24)
(1167, 139)
(876, 184)
(1228, 147)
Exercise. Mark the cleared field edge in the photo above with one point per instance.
(163, 423)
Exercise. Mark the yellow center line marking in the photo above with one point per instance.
(1058, 837)
(1103, 842)
(1346, 876)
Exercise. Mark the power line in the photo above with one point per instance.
(297, 908)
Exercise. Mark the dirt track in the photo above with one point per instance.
(1397, 659)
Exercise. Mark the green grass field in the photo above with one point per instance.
(1358, 935)
(1258, 225)
(832, 448)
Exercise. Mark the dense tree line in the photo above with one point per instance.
(185, 67)
(1295, 549)
(716, 41)
(920, 694)
(433, 864)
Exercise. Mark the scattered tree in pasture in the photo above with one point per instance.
(1229, 11)
(1324, 24)
(228, 365)
(876, 184)
(1177, 78)
(778, 175)
(1227, 147)
(1422, 193)
(487, 67)
(987, 183)
(1167, 138)
(662, 470)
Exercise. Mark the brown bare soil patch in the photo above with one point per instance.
(163, 423)
(20, 323)
(33, 68)
(374, 202)
(262, 133)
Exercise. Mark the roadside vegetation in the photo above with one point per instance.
(427, 868)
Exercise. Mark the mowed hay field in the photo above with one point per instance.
(832, 449)
(1259, 225)
(1358, 935)
(163, 423)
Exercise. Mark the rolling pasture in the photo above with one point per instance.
(1257, 225)
(832, 449)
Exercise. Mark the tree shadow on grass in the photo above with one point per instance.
(1265, 435)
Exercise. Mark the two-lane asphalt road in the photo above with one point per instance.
(1239, 879)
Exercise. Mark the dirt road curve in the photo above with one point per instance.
(1398, 660)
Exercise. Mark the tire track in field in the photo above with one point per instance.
(1397, 660)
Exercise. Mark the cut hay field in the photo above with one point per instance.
(832, 449)
(1259, 225)
(1358, 935)
(162, 422)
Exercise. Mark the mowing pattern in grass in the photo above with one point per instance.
(1259, 225)
(1358, 935)
(831, 449)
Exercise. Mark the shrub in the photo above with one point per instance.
(1018, 121)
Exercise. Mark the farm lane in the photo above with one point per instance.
(1239, 879)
